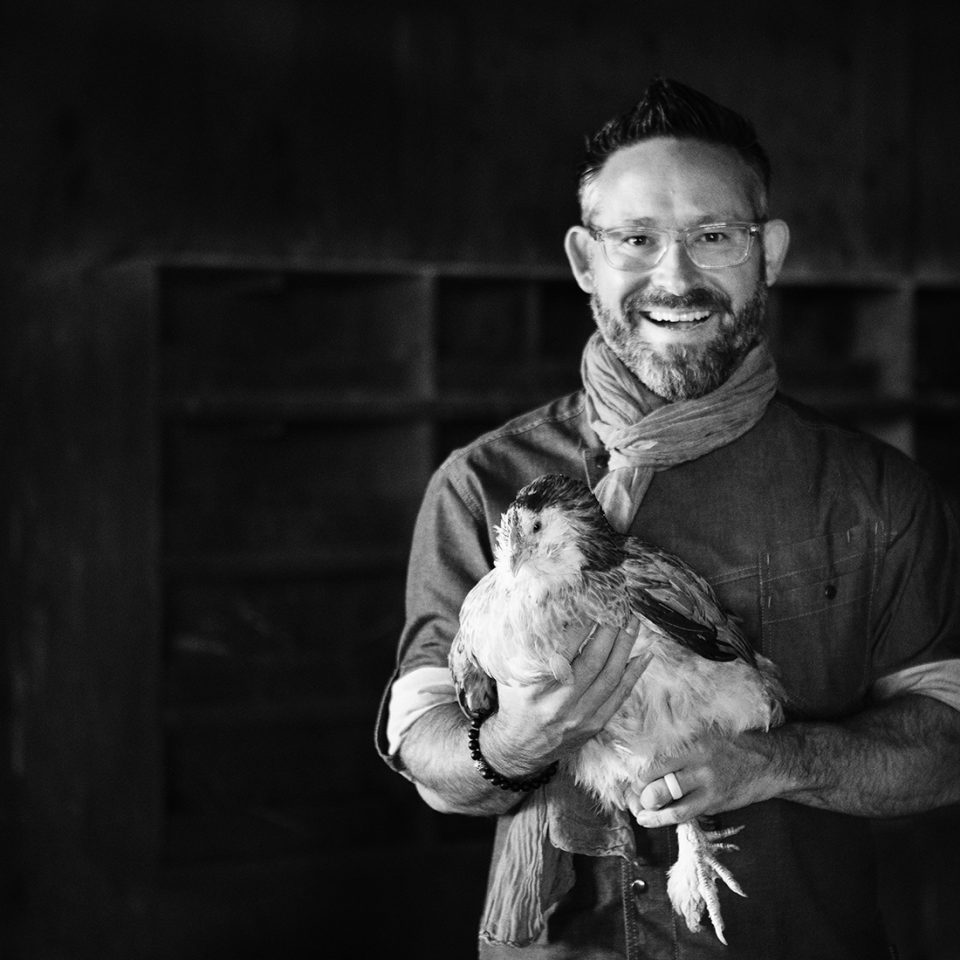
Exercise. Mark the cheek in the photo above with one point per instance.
(612, 292)
(742, 287)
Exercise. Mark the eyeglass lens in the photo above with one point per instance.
(714, 246)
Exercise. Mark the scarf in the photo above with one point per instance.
(642, 436)
(641, 440)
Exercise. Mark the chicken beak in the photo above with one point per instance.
(519, 554)
(518, 557)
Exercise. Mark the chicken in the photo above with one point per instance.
(557, 562)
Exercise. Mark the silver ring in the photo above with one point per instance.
(670, 779)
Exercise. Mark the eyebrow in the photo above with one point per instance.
(700, 221)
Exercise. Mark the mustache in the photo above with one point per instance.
(696, 299)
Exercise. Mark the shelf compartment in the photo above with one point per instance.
(496, 336)
(253, 330)
(938, 340)
(287, 788)
(253, 646)
(276, 487)
(823, 337)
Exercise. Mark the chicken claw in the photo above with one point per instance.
(692, 880)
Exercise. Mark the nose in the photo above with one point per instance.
(676, 272)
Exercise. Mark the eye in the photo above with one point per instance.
(537, 526)
(638, 240)
(711, 237)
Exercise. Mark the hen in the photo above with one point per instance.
(558, 561)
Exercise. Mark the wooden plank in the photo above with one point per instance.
(87, 648)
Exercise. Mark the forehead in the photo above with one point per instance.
(673, 181)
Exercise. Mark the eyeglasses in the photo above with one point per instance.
(710, 246)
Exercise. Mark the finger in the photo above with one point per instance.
(644, 636)
(623, 640)
(575, 636)
(609, 706)
(619, 647)
(657, 794)
(679, 812)
(595, 651)
(687, 809)
(627, 643)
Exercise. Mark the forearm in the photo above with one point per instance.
(534, 724)
(435, 753)
(898, 757)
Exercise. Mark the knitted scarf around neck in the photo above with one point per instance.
(642, 436)
(642, 439)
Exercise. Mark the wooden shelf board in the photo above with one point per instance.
(481, 403)
(298, 264)
(317, 407)
(865, 282)
(275, 565)
(329, 711)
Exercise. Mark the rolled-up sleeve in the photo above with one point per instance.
(450, 552)
(916, 622)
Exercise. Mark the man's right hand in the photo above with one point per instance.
(538, 723)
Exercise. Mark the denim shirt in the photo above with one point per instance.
(840, 558)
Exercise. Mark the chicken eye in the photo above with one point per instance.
(537, 526)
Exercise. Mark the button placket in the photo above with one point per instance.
(639, 887)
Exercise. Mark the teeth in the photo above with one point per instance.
(675, 316)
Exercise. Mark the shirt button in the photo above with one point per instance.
(830, 591)
(639, 888)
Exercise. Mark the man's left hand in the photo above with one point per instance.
(716, 775)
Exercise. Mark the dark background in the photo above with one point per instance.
(264, 264)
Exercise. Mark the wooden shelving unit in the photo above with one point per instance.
(277, 425)
(301, 411)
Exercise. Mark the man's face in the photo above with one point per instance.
(681, 329)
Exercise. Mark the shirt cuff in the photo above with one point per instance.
(940, 680)
(412, 695)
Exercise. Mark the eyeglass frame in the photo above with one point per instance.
(599, 235)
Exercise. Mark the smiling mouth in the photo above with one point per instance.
(667, 318)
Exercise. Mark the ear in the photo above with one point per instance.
(776, 240)
(577, 246)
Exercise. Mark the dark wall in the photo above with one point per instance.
(430, 130)
(303, 132)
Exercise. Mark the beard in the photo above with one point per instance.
(675, 371)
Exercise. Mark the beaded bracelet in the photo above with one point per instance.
(498, 779)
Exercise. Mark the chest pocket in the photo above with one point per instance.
(815, 599)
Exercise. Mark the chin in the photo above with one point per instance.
(685, 371)
(680, 371)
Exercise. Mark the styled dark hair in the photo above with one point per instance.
(672, 109)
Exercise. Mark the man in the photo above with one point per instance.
(834, 549)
